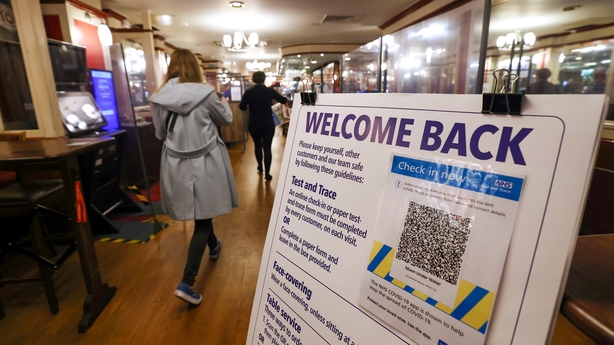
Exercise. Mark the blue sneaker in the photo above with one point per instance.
(186, 293)
(215, 252)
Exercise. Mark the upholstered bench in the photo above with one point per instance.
(589, 294)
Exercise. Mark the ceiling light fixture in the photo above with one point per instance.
(571, 8)
(236, 4)
(514, 39)
(257, 66)
(165, 20)
(235, 43)
(510, 42)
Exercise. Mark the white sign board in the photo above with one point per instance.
(235, 93)
(415, 219)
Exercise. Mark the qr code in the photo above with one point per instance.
(434, 241)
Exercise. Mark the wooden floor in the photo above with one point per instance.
(144, 310)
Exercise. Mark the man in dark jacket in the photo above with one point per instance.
(542, 85)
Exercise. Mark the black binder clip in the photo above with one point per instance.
(309, 97)
(504, 102)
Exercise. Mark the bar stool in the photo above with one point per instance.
(21, 206)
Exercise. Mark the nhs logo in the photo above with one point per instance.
(504, 184)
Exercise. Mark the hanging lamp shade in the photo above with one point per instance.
(530, 38)
(238, 42)
(238, 39)
(104, 35)
(227, 40)
(253, 39)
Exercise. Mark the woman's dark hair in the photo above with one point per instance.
(258, 77)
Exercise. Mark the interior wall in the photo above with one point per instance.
(53, 27)
(58, 10)
(88, 37)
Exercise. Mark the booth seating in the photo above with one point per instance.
(588, 301)
(599, 203)
(605, 158)
(600, 200)
(21, 208)
(589, 294)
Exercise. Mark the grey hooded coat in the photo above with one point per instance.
(196, 179)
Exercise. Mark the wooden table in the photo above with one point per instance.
(63, 153)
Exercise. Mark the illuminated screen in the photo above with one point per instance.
(80, 113)
(104, 93)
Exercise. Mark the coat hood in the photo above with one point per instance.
(181, 97)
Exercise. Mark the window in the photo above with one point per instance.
(360, 69)
(438, 55)
(16, 107)
(584, 69)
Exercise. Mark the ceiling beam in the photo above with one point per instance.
(80, 5)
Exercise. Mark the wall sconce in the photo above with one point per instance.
(104, 34)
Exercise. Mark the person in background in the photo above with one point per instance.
(261, 127)
(226, 93)
(542, 85)
(196, 178)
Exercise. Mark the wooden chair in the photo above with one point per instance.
(21, 208)
(8, 174)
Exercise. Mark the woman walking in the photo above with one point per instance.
(196, 177)
(261, 126)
